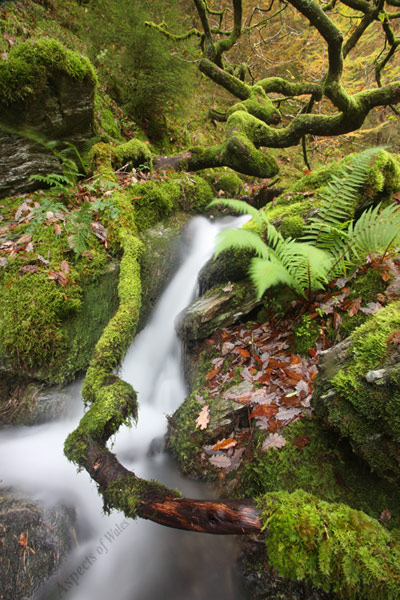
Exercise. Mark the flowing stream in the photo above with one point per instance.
(121, 559)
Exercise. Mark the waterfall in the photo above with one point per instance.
(121, 559)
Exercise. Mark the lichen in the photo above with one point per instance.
(339, 549)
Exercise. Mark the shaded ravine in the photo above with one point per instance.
(126, 559)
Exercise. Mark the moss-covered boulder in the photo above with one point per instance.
(358, 391)
(33, 540)
(46, 95)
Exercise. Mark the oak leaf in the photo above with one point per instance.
(203, 418)
(274, 440)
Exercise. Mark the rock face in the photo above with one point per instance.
(357, 391)
(219, 307)
(60, 108)
(33, 541)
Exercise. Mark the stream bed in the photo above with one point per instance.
(118, 558)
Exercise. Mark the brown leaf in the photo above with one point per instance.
(225, 444)
(337, 320)
(203, 418)
(385, 515)
(25, 239)
(301, 441)
(211, 374)
(264, 410)
(57, 229)
(354, 307)
(243, 352)
(220, 461)
(274, 440)
(64, 266)
(99, 230)
(29, 269)
(228, 288)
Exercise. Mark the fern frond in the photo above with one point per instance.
(239, 206)
(267, 273)
(241, 239)
(339, 197)
(375, 231)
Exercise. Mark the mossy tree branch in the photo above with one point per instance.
(251, 123)
(112, 403)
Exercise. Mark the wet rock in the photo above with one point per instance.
(24, 402)
(33, 543)
(219, 307)
(159, 259)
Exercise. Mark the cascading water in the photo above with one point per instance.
(119, 558)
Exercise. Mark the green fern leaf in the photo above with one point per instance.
(241, 239)
(239, 206)
(339, 197)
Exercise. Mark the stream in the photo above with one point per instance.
(125, 559)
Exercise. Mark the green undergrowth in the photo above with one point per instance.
(339, 549)
(301, 199)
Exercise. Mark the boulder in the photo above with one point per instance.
(46, 95)
(33, 540)
(219, 307)
(357, 391)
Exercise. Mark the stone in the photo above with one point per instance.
(221, 306)
(61, 111)
(34, 541)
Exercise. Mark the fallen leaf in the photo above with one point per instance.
(220, 461)
(57, 229)
(25, 239)
(211, 374)
(274, 440)
(385, 515)
(243, 352)
(226, 348)
(264, 410)
(203, 418)
(29, 269)
(64, 266)
(301, 441)
(354, 307)
(42, 259)
(228, 288)
(225, 444)
(99, 230)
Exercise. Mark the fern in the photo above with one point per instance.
(338, 200)
(375, 231)
(278, 260)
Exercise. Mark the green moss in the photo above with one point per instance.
(119, 332)
(306, 334)
(292, 226)
(30, 66)
(338, 549)
(107, 125)
(134, 153)
(230, 183)
(184, 439)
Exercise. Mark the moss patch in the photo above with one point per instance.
(339, 549)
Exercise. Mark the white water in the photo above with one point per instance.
(120, 559)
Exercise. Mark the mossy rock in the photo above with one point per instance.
(230, 183)
(46, 95)
(339, 549)
(358, 391)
